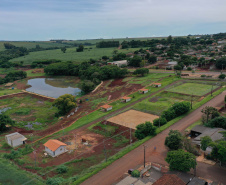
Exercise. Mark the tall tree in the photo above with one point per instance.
(174, 140)
(63, 49)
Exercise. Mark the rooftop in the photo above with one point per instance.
(169, 179)
(106, 106)
(15, 136)
(53, 144)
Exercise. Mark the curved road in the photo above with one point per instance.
(113, 172)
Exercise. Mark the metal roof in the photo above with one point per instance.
(15, 136)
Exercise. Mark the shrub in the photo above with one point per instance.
(135, 173)
(221, 76)
(205, 141)
(62, 169)
(219, 122)
(169, 114)
(174, 140)
(181, 108)
(159, 121)
(203, 75)
(145, 129)
(55, 181)
(189, 68)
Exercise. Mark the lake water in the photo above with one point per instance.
(52, 87)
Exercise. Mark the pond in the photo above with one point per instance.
(53, 87)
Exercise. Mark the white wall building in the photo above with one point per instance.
(15, 139)
(54, 147)
(119, 63)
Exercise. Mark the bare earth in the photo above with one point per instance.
(132, 118)
(112, 173)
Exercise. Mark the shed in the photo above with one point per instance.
(157, 84)
(55, 147)
(106, 107)
(125, 99)
(143, 91)
(15, 139)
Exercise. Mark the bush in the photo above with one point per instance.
(55, 181)
(169, 114)
(145, 129)
(181, 108)
(219, 122)
(62, 169)
(203, 75)
(189, 68)
(222, 76)
(159, 121)
(135, 173)
(88, 86)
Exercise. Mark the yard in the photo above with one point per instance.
(198, 89)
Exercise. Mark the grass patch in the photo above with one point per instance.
(193, 88)
(4, 91)
(120, 141)
(23, 111)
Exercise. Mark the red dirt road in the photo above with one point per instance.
(112, 173)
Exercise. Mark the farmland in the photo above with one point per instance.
(69, 55)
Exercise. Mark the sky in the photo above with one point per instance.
(41, 20)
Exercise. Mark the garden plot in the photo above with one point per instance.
(132, 118)
(196, 89)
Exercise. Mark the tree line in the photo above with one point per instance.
(107, 44)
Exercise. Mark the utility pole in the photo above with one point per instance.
(35, 157)
(130, 138)
(212, 90)
(105, 153)
(144, 155)
(191, 99)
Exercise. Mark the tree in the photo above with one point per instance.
(5, 120)
(80, 48)
(141, 71)
(221, 63)
(205, 141)
(87, 86)
(63, 49)
(174, 140)
(65, 103)
(181, 160)
(145, 129)
(152, 59)
(219, 122)
(222, 76)
(169, 114)
(62, 169)
(208, 112)
(135, 61)
(219, 150)
(169, 39)
(181, 108)
(159, 121)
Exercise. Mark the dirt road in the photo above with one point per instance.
(113, 172)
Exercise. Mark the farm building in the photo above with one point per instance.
(200, 131)
(125, 99)
(118, 63)
(157, 84)
(106, 108)
(54, 147)
(143, 91)
(15, 139)
(8, 84)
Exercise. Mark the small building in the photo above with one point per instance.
(8, 84)
(168, 179)
(119, 63)
(106, 108)
(54, 147)
(143, 91)
(125, 99)
(15, 139)
(157, 84)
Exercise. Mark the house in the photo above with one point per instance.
(54, 147)
(15, 139)
(200, 131)
(125, 99)
(157, 84)
(106, 108)
(118, 63)
(143, 91)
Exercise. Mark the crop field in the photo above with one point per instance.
(29, 112)
(12, 175)
(69, 55)
(31, 44)
(198, 89)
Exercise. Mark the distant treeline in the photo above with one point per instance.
(42, 63)
(219, 36)
(13, 76)
(107, 44)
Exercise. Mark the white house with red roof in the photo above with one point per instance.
(54, 147)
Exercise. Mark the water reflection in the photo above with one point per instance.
(52, 87)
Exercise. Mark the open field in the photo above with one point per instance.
(198, 89)
(132, 118)
(70, 55)
(27, 109)
(12, 175)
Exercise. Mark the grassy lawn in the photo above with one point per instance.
(70, 55)
(12, 175)
(5, 91)
(30, 74)
(193, 88)
(146, 80)
(27, 109)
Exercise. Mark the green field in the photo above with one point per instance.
(28, 109)
(192, 88)
(70, 55)
(10, 174)
(31, 44)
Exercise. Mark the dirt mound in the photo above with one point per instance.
(117, 82)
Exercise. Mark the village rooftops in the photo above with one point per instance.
(169, 179)
(54, 144)
(106, 106)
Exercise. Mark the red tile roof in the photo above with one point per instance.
(143, 90)
(106, 106)
(53, 144)
(125, 98)
(169, 179)
(157, 83)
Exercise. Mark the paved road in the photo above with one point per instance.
(112, 173)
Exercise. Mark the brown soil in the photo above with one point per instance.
(117, 82)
